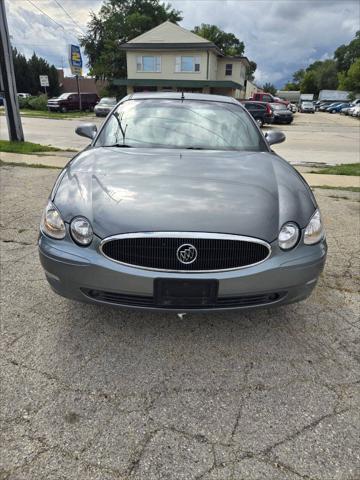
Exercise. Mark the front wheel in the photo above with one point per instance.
(259, 122)
(63, 110)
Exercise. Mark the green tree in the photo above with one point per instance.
(290, 86)
(228, 43)
(346, 55)
(27, 74)
(251, 70)
(326, 75)
(350, 80)
(117, 22)
(269, 88)
(309, 83)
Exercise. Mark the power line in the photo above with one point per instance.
(67, 13)
(48, 16)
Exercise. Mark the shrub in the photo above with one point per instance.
(38, 103)
(24, 102)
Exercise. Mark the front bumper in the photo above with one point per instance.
(85, 275)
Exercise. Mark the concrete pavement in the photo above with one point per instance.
(319, 138)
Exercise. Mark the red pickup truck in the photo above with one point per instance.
(267, 97)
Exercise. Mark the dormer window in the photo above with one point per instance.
(187, 64)
(228, 69)
(148, 63)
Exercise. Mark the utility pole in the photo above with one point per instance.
(78, 90)
(7, 80)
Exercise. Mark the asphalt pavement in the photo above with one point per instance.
(98, 393)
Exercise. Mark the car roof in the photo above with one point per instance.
(256, 102)
(181, 95)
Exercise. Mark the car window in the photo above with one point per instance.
(181, 124)
(107, 101)
(278, 106)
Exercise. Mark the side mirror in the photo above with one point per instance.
(88, 130)
(275, 136)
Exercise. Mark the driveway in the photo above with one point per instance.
(97, 393)
(58, 133)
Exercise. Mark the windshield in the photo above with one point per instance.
(278, 106)
(181, 124)
(107, 101)
(64, 95)
(307, 104)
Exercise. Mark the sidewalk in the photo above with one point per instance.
(60, 159)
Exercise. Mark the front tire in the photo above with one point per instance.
(63, 110)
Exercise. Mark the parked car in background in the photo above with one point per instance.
(337, 108)
(325, 106)
(23, 95)
(71, 101)
(307, 107)
(356, 111)
(268, 98)
(180, 204)
(261, 111)
(105, 106)
(1, 101)
(320, 104)
(349, 109)
(281, 113)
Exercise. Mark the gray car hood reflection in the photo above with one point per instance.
(133, 190)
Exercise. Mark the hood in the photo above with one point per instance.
(124, 190)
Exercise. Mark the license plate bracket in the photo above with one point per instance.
(185, 293)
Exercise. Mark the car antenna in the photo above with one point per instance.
(182, 95)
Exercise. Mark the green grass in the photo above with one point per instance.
(344, 169)
(25, 147)
(53, 115)
(28, 165)
(345, 189)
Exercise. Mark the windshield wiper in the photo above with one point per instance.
(123, 131)
(120, 145)
(195, 148)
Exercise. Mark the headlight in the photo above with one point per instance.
(81, 231)
(288, 236)
(51, 223)
(314, 232)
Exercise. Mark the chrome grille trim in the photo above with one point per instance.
(197, 235)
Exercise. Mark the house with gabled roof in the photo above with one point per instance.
(171, 58)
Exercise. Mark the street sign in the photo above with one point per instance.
(44, 80)
(75, 60)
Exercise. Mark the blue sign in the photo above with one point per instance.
(75, 59)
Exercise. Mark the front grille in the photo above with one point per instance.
(160, 252)
(149, 301)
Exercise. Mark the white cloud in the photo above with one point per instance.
(280, 36)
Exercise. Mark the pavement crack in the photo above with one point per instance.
(17, 242)
(306, 428)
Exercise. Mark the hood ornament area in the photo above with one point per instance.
(186, 253)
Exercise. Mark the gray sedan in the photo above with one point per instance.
(180, 204)
(105, 105)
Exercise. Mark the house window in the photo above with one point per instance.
(148, 64)
(228, 69)
(187, 64)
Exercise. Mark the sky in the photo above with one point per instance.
(281, 36)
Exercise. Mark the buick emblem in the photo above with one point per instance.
(186, 253)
